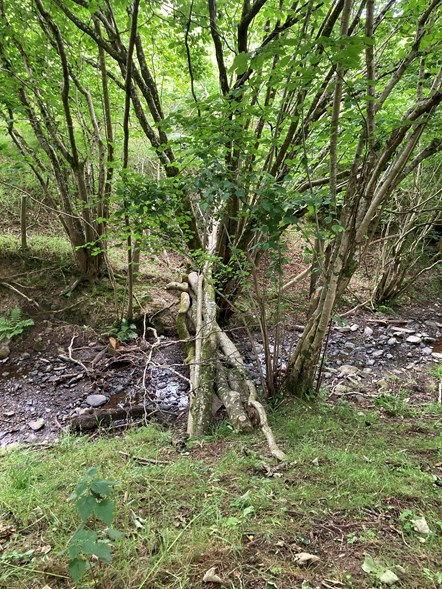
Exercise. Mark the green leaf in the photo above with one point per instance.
(105, 511)
(388, 577)
(77, 568)
(103, 551)
(86, 506)
(240, 63)
(371, 566)
(114, 534)
(101, 487)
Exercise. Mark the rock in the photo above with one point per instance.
(348, 370)
(403, 331)
(304, 558)
(421, 527)
(392, 341)
(8, 413)
(413, 339)
(368, 332)
(37, 424)
(344, 329)
(96, 400)
(437, 355)
(432, 323)
(4, 351)
(38, 345)
(426, 351)
(378, 353)
(354, 327)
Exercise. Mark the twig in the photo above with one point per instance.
(440, 392)
(71, 359)
(7, 285)
(144, 460)
(296, 278)
(69, 306)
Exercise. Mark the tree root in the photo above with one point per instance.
(216, 365)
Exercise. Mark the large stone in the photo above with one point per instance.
(348, 370)
(37, 424)
(4, 351)
(403, 331)
(413, 339)
(96, 400)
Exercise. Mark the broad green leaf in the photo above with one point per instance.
(105, 511)
(86, 506)
(77, 567)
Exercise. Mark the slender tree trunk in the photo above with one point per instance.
(23, 221)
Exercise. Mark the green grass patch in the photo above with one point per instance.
(222, 502)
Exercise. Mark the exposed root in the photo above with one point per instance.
(216, 365)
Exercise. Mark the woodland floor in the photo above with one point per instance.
(364, 460)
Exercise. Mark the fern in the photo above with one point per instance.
(13, 325)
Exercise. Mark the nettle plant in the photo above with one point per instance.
(91, 542)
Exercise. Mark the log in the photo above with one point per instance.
(106, 417)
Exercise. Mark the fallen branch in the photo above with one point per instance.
(143, 460)
(10, 287)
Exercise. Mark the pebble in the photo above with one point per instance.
(378, 353)
(403, 331)
(392, 341)
(348, 370)
(354, 327)
(96, 400)
(413, 339)
(37, 424)
(368, 332)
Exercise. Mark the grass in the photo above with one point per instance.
(41, 246)
(220, 502)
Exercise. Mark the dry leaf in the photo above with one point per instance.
(212, 577)
(114, 342)
(304, 558)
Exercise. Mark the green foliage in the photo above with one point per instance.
(123, 331)
(93, 505)
(394, 405)
(14, 325)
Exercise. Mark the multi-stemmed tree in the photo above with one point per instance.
(58, 113)
(258, 111)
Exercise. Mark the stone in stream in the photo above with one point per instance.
(402, 331)
(348, 370)
(37, 424)
(413, 339)
(96, 400)
(4, 351)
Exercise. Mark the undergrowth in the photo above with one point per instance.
(186, 507)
